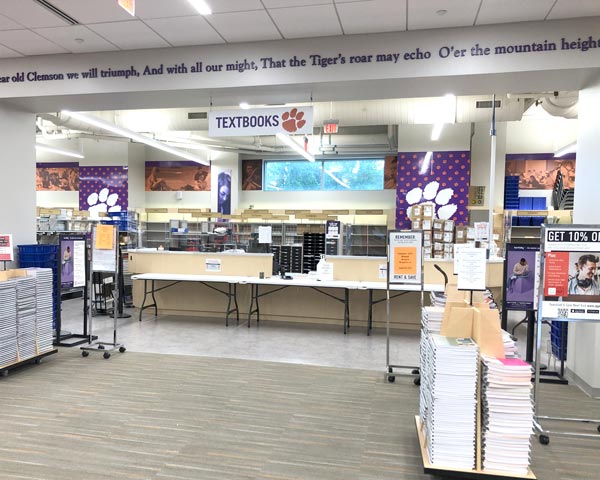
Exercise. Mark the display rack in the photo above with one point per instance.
(404, 266)
(560, 240)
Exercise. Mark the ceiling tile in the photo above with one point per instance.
(185, 30)
(30, 14)
(129, 35)
(372, 16)
(76, 39)
(28, 43)
(423, 13)
(295, 3)
(302, 22)
(8, 24)
(244, 26)
(92, 11)
(225, 6)
(506, 11)
(8, 53)
(575, 8)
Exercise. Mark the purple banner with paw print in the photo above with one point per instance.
(439, 178)
(103, 189)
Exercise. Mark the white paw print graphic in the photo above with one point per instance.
(103, 202)
(432, 194)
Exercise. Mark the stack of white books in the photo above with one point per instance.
(26, 310)
(438, 299)
(44, 307)
(510, 345)
(449, 400)
(507, 414)
(8, 322)
(431, 319)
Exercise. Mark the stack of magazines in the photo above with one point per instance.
(448, 399)
(507, 414)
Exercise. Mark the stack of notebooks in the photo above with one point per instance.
(449, 400)
(510, 345)
(44, 317)
(507, 415)
(431, 319)
(8, 322)
(438, 299)
(26, 306)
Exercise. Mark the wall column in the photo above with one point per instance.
(17, 193)
(583, 356)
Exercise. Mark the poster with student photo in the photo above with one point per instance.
(224, 192)
(520, 276)
(72, 261)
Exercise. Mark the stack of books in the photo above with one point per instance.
(44, 305)
(507, 414)
(438, 299)
(431, 319)
(510, 345)
(448, 406)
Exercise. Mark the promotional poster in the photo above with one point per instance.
(177, 177)
(72, 261)
(520, 276)
(405, 250)
(57, 177)
(537, 171)
(571, 284)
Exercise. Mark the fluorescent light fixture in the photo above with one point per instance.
(136, 137)
(244, 105)
(570, 148)
(201, 6)
(426, 163)
(59, 151)
(294, 146)
(437, 131)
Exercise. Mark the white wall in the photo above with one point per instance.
(540, 135)
(136, 175)
(417, 138)
(17, 195)
(584, 339)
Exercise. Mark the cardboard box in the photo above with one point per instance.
(426, 224)
(428, 210)
(448, 225)
(438, 224)
(448, 237)
(461, 235)
(416, 211)
(416, 224)
(438, 236)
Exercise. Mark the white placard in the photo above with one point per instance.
(104, 259)
(213, 264)
(260, 121)
(471, 269)
(6, 248)
(382, 271)
(265, 234)
(405, 251)
(79, 263)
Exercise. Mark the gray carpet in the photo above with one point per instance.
(151, 416)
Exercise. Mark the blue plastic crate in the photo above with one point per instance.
(39, 249)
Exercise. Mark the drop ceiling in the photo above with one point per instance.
(29, 28)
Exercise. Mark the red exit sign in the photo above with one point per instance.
(128, 5)
(330, 127)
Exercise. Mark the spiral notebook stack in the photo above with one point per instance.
(26, 309)
(507, 414)
(8, 322)
(449, 400)
(44, 305)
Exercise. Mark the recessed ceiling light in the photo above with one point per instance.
(201, 6)
(442, 12)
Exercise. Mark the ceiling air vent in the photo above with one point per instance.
(57, 11)
(487, 104)
(197, 116)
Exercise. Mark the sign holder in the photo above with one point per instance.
(404, 267)
(104, 258)
(7, 253)
(560, 300)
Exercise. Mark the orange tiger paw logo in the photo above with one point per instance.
(292, 120)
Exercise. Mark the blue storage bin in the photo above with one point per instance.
(524, 220)
(525, 203)
(536, 221)
(538, 203)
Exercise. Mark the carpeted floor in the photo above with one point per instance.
(152, 416)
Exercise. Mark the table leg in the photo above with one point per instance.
(346, 310)
(237, 310)
(370, 313)
(154, 300)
